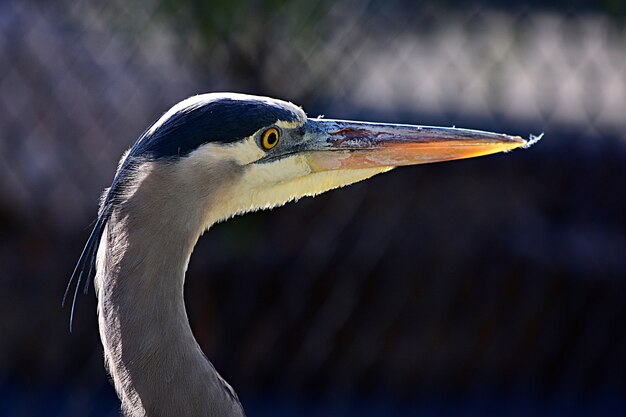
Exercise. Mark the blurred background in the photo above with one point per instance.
(491, 286)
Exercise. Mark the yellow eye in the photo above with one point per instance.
(269, 138)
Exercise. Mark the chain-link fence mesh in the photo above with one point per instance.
(495, 285)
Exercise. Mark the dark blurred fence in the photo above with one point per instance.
(493, 286)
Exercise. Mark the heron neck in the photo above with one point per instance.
(156, 364)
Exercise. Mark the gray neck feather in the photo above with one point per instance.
(157, 366)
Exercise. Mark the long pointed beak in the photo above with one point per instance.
(344, 144)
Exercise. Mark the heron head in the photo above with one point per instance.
(236, 153)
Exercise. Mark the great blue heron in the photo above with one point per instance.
(209, 158)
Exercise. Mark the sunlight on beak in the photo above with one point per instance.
(341, 144)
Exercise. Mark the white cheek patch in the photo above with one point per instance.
(243, 153)
(268, 175)
(274, 184)
(255, 189)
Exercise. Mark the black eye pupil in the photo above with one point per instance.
(272, 138)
